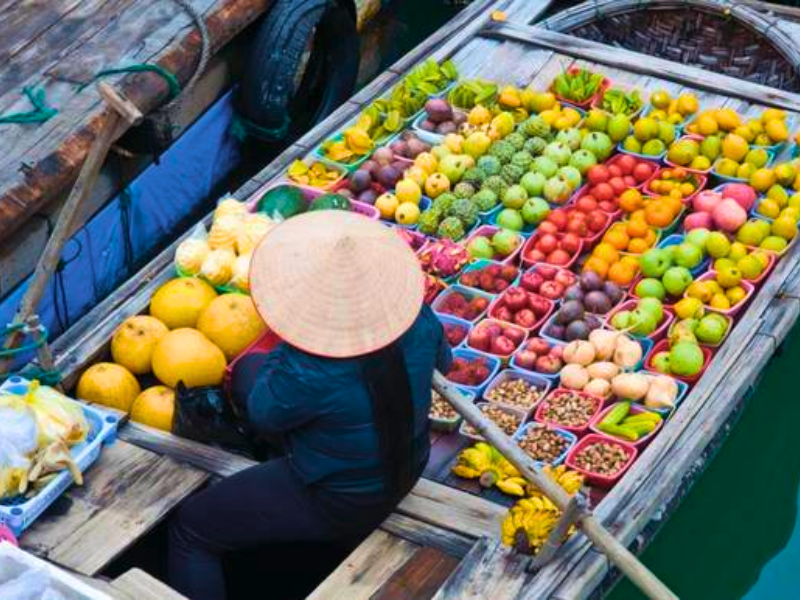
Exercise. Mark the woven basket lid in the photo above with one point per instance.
(336, 284)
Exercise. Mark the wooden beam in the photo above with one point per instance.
(643, 63)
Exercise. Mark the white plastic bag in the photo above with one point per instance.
(33, 584)
(192, 252)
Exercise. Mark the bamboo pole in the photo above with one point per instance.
(618, 554)
(121, 115)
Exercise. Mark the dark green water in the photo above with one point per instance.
(736, 534)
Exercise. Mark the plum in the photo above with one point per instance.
(571, 310)
(438, 110)
(388, 176)
(577, 330)
(591, 281)
(361, 180)
(613, 291)
(574, 292)
(597, 302)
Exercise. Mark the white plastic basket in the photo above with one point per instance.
(15, 562)
(18, 516)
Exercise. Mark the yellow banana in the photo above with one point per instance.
(466, 472)
(508, 486)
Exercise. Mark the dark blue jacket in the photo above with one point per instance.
(322, 408)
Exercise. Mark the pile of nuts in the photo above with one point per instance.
(602, 458)
(570, 408)
(543, 444)
(441, 409)
(505, 419)
(515, 392)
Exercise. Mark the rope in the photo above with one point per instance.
(172, 81)
(16, 328)
(242, 128)
(41, 111)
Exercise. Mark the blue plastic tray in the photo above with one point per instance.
(19, 513)
(567, 435)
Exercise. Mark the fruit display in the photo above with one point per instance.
(673, 110)
(439, 117)
(514, 391)
(668, 271)
(644, 317)
(374, 177)
(462, 303)
(767, 130)
(680, 355)
(507, 419)
(583, 219)
(617, 101)
(521, 307)
(543, 444)
(601, 459)
(708, 328)
(748, 261)
(676, 182)
(443, 258)
(490, 468)
(425, 80)
(317, 174)
(496, 338)
(558, 249)
(628, 422)
(583, 307)
(493, 243)
(490, 277)
(441, 409)
(724, 290)
(454, 332)
(568, 409)
(470, 369)
(650, 137)
(578, 85)
(548, 281)
(468, 93)
(409, 146)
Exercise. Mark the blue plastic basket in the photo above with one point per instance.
(453, 320)
(567, 435)
(468, 293)
(19, 513)
(480, 264)
(538, 381)
(683, 390)
(470, 354)
(677, 238)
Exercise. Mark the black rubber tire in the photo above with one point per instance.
(269, 90)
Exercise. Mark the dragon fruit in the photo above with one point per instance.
(444, 258)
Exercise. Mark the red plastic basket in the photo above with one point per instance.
(583, 191)
(603, 481)
(617, 157)
(577, 430)
(496, 302)
(527, 262)
(490, 230)
(635, 410)
(663, 346)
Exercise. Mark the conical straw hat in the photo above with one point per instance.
(336, 284)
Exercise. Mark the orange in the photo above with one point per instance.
(687, 189)
(621, 273)
(596, 264)
(677, 194)
(666, 174)
(666, 187)
(630, 200)
(607, 252)
(658, 214)
(631, 261)
(617, 237)
(679, 173)
(637, 228)
(650, 238)
(638, 246)
(675, 205)
(638, 215)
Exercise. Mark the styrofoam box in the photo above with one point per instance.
(14, 562)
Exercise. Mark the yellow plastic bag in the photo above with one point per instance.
(18, 442)
(58, 417)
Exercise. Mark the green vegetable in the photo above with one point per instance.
(577, 85)
(282, 202)
(616, 414)
(622, 431)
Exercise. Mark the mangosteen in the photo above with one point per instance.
(571, 310)
(383, 156)
(574, 292)
(577, 330)
(597, 302)
(555, 331)
(370, 166)
(446, 127)
(368, 196)
(438, 110)
(613, 291)
(388, 176)
(591, 281)
(400, 148)
(593, 322)
(361, 180)
(427, 125)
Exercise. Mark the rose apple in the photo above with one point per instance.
(502, 345)
(532, 281)
(526, 359)
(551, 290)
(515, 299)
(539, 305)
(538, 346)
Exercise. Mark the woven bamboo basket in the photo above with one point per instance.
(735, 40)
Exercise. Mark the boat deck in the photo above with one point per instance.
(443, 540)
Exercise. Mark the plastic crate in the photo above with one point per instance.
(14, 562)
(683, 390)
(492, 361)
(529, 245)
(479, 264)
(449, 425)
(749, 289)
(488, 231)
(495, 305)
(19, 514)
(504, 358)
(468, 293)
(702, 180)
(585, 104)
(602, 481)
(698, 139)
(597, 102)
(571, 438)
(663, 346)
(309, 162)
(677, 238)
(453, 320)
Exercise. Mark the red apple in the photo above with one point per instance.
(547, 272)
(470, 278)
(603, 192)
(565, 278)
(486, 281)
(492, 329)
(551, 290)
(508, 273)
(548, 364)
(503, 313)
(525, 359)
(502, 345)
(570, 243)
(493, 269)
(500, 285)
(532, 281)
(617, 185)
(515, 299)
(479, 339)
(538, 346)
(557, 351)
(539, 305)
(515, 334)
(525, 318)
(558, 257)
(547, 243)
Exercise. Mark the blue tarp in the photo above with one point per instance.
(94, 260)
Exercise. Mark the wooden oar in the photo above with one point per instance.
(121, 115)
(618, 554)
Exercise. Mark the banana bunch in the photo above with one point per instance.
(571, 481)
(529, 523)
(485, 463)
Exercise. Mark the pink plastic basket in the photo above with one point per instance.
(7, 536)
(602, 481)
(639, 159)
(583, 191)
(504, 358)
(489, 231)
(499, 300)
(635, 410)
(528, 262)
(702, 180)
(577, 430)
(749, 288)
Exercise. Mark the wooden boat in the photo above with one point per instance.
(443, 539)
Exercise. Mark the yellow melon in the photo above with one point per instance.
(108, 384)
(232, 323)
(187, 355)
(155, 407)
(178, 303)
(133, 342)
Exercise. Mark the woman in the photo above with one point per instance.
(346, 394)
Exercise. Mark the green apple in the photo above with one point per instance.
(676, 280)
(598, 144)
(686, 359)
(698, 237)
(654, 262)
(509, 218)
(545, 165)
(661, 362)
(533, 182)
(480, 247)
(505, 241)
(688, 255)
(711, 329)
(515, 197)
(571, 176)
(652, 306)
(621, 320)
(644, 323)
(650, 288)
(583, 160)
(535, 210)
(558, 152)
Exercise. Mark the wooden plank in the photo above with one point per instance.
(124, 495)
(424, 534)
(138, 584)
(366, 569)
(641, 63)
(488, 571)
(23, 26)
(419, 578)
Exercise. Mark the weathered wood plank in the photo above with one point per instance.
(419, 578)
(124, 495)
(366, 569)
(138, 584)
(649, 65)
(425, 534)
(488, 571)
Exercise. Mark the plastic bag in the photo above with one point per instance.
(58, 417)
(192, 252)
(14, 469)
(33, 584)
(229, 206)
(18, 426)
(203, 414)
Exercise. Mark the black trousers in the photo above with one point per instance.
(263, 505)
